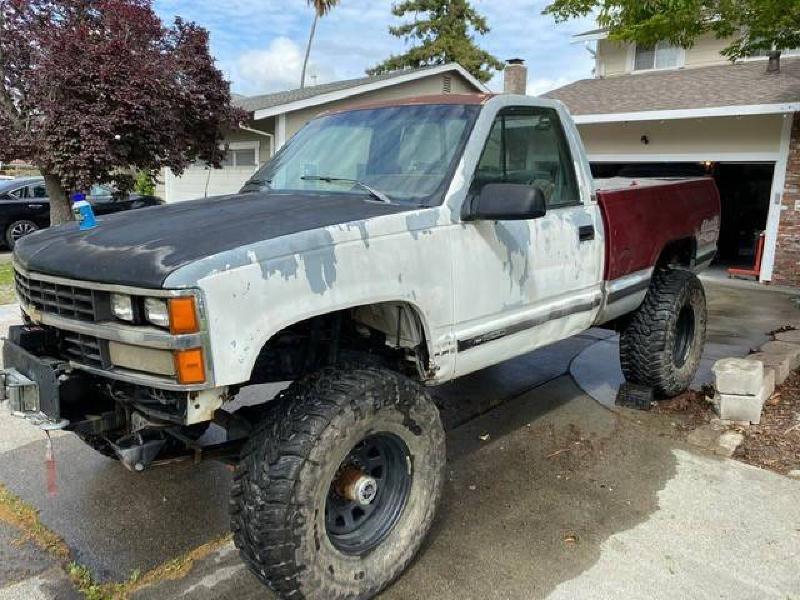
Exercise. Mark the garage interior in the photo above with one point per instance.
(744, 192)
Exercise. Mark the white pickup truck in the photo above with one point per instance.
(384, 249)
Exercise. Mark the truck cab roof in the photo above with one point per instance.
(456, 99)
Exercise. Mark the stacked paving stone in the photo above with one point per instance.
(743, 386)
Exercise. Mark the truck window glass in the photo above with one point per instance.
(406, 152)
(529, 148)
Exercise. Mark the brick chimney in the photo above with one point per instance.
(516, 77)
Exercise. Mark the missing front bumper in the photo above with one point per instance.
(31, 385)
(22, 396)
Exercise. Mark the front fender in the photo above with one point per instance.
(337, 268)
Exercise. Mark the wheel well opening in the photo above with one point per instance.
(678, 253)
(388, 333)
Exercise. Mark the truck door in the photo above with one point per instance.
(523, 284)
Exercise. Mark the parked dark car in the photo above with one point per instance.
(25, 207)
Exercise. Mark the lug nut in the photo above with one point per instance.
(355, 486)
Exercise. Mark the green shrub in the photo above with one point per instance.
(144, 184)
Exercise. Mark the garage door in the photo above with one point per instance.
(200, 181)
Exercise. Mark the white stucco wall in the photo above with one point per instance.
(615, 57)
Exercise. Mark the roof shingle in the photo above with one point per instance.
(264, 101)
(740, 84)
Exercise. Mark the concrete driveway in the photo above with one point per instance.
(564, 499)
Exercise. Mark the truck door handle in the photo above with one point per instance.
(586, 233)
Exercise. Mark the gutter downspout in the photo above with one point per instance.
(594, 54)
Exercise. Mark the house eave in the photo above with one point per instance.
(589, 37)
(367, 87)
(690, 113)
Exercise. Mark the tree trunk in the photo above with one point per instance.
(60, 208)
(308, 50)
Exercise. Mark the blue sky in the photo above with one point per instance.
(259, 44)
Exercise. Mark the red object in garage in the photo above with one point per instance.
(756, 270)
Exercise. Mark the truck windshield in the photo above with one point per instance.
(405, 153)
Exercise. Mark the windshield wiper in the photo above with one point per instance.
(372, 191)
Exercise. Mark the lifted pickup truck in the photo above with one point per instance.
(383, 250)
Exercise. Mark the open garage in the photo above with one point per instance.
(746, 154)
(735, 122)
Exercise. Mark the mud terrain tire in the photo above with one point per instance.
(662, 343)
(287, 486)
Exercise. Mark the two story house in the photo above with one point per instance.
(665, 110)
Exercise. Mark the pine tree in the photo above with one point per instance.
(444, 31)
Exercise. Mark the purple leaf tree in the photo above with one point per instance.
(91, 90)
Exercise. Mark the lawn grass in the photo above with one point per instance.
(7, 293)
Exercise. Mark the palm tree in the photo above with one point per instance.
(321, 8)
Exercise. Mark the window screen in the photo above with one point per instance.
(240, 157)
(661, 56)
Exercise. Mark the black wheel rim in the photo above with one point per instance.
(684, 333)
(355, 527)
(20, 230)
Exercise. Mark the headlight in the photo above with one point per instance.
(179, 315)
(122, 307)
(156, 311)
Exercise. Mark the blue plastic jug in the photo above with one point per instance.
(83, 212)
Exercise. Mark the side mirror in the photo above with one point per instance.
(508, 202)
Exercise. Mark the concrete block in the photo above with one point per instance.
(793, 336)
(769, 372)
(786, 349)
(738, 376)
(747, 408)
(769, 384)
(733, 409)
(780, 363)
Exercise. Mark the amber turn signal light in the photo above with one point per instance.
(183, 316)
(190, 367)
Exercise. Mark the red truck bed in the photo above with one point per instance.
(642, 216)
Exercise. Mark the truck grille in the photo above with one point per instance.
(83, 349)
(55, 298)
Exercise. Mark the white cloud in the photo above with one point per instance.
(260, 43)
(276, 67)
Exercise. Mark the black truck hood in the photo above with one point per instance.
(142, 247)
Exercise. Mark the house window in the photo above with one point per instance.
(661, 56)
(239, 155)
